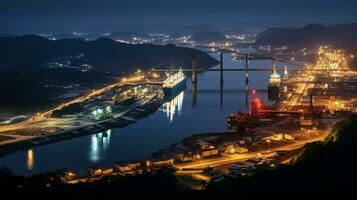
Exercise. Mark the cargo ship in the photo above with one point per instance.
(174, 83)
(274, 85)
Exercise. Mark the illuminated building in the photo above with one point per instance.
(330, 63)
(101, 113)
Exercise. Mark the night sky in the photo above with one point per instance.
(17, 14)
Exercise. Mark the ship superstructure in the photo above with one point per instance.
(174, 83)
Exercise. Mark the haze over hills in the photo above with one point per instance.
(97, 29)
(313, 35)
(269, 31)
(105, 54)
(169, 28)
(236, 31)
(126, 35)
(207, 36)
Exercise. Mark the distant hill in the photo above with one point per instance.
(313, 35)
(236, 31)
(207, 36)
(167, 28)
(5, 34)
(127, 36)
(270, 31)
(33, 51)
(191, 29)
(72, 35)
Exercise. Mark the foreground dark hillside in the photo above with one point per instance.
(324, 170)
(32, 51)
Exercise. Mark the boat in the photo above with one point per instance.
(274, 85)
(174, 83)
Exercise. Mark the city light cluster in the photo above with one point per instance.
(330, 61)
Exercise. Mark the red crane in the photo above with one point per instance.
(256, 106)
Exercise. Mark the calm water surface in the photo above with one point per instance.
(171, 123)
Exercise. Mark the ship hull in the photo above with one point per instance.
(273, 93)
(175, 89)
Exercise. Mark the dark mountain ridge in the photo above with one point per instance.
(312, 36)
(32, 51)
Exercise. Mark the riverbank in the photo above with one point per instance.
(326, 156)
(177, 119)
(265, 138)
(27, 143)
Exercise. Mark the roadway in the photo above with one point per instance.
(44, 119)
(300, 90)
(43, 124)
(230, 159)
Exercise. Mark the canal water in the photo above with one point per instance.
(174, 121)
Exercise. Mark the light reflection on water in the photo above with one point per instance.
(30, 161)
(177, 119)
(173, 106)
(99, 145)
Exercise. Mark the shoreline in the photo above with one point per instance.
(33, 141)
